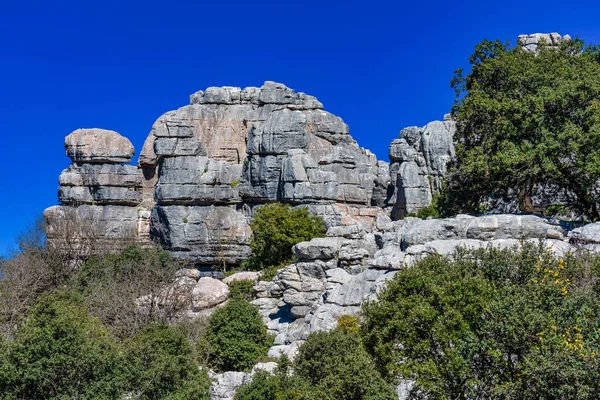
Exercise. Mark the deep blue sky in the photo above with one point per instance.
(119, 65)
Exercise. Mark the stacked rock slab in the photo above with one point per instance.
(231, 150)
(98, 192)
(419, 159)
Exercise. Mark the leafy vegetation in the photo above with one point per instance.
(525, 120)
(61, 352)
(276, 228)
(237, 337)
(329, 365)
(241, 289)
(502, 324)
(162, 365)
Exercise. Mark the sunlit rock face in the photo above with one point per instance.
(206, 167)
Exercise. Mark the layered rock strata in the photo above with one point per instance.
(231, 150)
(419, 160)
(99, 194)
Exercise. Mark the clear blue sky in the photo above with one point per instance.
(119, 65)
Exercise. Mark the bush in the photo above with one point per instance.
(243, 289)
(162, 366)
(276, 228)
(265, 386)
(527, 121)
(511, 324)
(237, 337)
(61, 352)
(111, 284)
(337, 364)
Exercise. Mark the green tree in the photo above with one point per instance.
(337, 364)
(525, 120)
(276, 228)
(162, 366)
(237, 337)
(61, 352)
(502, 324)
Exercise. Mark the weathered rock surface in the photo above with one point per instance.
(225, 385)
(232, 149)
(313, 293)
(100, 196)
(419, 159)
(98, 146)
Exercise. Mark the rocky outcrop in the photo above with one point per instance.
(99, 195)
(335, 275)
(233, 149)
(419, 160)
(530, 43)
(206, 167)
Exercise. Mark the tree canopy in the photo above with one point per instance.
(527, 120)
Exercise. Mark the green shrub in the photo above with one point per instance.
(242, 289)
(276, 228)
(265, 386)
(162, 366)
(237, 336)
(61, 352)
(511, 324)
(338, 366)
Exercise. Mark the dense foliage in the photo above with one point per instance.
(61, 352)
(526, 120)
(276, 228)
(162, 365)
(237, 337)
(329, 366)
(502, 324)
(339, 366)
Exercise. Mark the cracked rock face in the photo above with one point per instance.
(100, 196)
(419, 159)
(207, 166)
(214, 161)
(530, 43)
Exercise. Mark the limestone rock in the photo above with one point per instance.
(504, 226)
(587, 235)
(317, 249)
(208, 292)
(207, 235)
(98, 146)
(530, 43)
(419, 163)
(241, 276)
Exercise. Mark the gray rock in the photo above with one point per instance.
(317, 249)
(98, 146)
(588, 234)
(206, 235)
(482, 228)
(208, 293)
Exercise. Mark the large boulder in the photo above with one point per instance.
(98, 146)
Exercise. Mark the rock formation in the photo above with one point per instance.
(335, 275)
(531, 42)
(205, 167)
(99, 194)
(419, 159)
